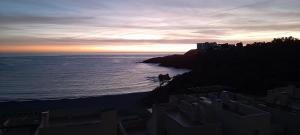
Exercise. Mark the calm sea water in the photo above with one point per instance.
(59, 77)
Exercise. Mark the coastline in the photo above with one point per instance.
(123, 102)
(206, 69)
(120, 102)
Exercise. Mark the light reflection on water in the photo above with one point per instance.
(57, 77)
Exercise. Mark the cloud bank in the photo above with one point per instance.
(134, 22)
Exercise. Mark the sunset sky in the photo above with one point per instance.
(141, 25)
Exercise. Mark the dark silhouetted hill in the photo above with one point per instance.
(178, 61)
(250, 69)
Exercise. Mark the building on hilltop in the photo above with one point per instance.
(206, 46)
(203, 47)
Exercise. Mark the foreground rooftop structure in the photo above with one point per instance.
(194, 114)
(105, 124)
(208, 113)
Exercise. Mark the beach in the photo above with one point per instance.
(119, 102)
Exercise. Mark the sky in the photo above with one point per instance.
(141, 25)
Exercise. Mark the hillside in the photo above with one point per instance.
(250, 69)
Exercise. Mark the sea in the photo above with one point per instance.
(52, 77)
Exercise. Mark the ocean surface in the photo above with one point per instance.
(76, 76)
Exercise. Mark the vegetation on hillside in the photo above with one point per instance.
(250, 69)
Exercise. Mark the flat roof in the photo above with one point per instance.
(243, 109)
(176, 116)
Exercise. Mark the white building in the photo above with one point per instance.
(283, 96)
(184, 117)
(284, 105)
(241, 119)
(194, 114)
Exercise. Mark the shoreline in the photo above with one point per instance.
(117, 101)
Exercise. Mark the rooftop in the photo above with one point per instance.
(183, 121)
(241, 109)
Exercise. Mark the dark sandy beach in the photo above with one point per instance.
(118, 102)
